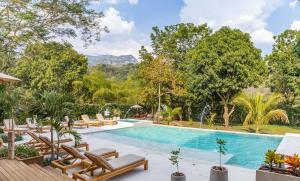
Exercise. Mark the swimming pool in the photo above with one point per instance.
(244, 150)
(129, 120)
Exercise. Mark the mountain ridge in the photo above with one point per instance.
(111, 59)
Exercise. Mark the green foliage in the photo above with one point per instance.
(3, 152)
(170, 113)
(50, 66)
(222, 65)
(175, 157)
(26, 151)
(24, 22)
(4, 137)
(271, 159)
(261, 109)
(211, 120)
(1, 130)
(284, 65)
(221, 149)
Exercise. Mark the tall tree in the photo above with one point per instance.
(50, 67)
(284, 64)
(223, 64)
(27, 21)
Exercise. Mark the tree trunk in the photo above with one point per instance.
(52, 147)
(159, 98)
(227, 114)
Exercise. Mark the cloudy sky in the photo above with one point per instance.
(130, 21)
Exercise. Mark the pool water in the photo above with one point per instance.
(244, 150)
(129, 120)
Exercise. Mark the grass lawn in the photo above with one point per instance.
(264, 129)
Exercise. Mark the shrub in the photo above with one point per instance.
(26, 151)
(294, 163)
(1, 130)
(271, 159)
(3, 152)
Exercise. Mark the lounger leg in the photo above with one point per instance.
(117, 155)
(146, 165)
(87, 147)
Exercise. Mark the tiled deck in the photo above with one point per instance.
(289, 145)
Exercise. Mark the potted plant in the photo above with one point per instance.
(28, 154)
(272, 170)
(175, 157)
(219, 173)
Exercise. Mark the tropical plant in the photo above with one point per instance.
(26, 151)
(61, 131)
(221, 149)
(211, 119)
(261, 108)
(175, 157)
(170, 113)
(272, 159)
(3, 151)
(294, 163)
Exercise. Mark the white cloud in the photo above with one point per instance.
(111, 1)
(293, 3)
(295, 25)
(121, 40)
(247, 15)
(134, 2)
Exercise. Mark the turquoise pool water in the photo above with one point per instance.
(129, 120)
(244, 150)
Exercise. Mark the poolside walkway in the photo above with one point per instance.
(289, 145)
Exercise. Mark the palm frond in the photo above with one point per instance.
(277, 114)
(248, 119)
(273, 100)
(243, 100)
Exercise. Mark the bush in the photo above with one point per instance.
(3, 152)
(4, 137)
(1, 130)
(26, 151)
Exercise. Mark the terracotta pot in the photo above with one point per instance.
(175, 177)
(217, 174)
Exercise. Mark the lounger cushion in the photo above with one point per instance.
(103, 151)
(125, 161)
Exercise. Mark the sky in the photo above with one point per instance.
(130, 22)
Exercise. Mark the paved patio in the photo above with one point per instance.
(159, 164)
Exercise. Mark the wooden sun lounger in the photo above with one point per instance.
(78, 159)
(86, 119)
(104, 121)
(47, 142)
(39, 144)
(32, 125)
(109, 168)
(18, 130)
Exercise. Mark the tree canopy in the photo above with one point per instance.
(225, 63)
(50, 67)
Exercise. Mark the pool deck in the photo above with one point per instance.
(289, 145)
(159, 164)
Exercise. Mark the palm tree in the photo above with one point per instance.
(261, 109)
(170, 113)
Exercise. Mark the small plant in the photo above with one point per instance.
(3, 152)
(26, 151)
(1, 130)
(117, 112)
(175, 157)
(190, 122)
(221, 149)
(294, 163)
(211, 120)
(272, 159)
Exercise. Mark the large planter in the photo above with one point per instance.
(218, 175)
(264, 175)
(175, 177)
(37, 160)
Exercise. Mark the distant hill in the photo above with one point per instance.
(111, 60)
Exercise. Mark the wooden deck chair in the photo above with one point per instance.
(74, 158)
(32, 125)
(80, 123)
(104, 121)
(47, 142)
(87, 119)
(39, 144)
(109, 168)
(9, 122)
